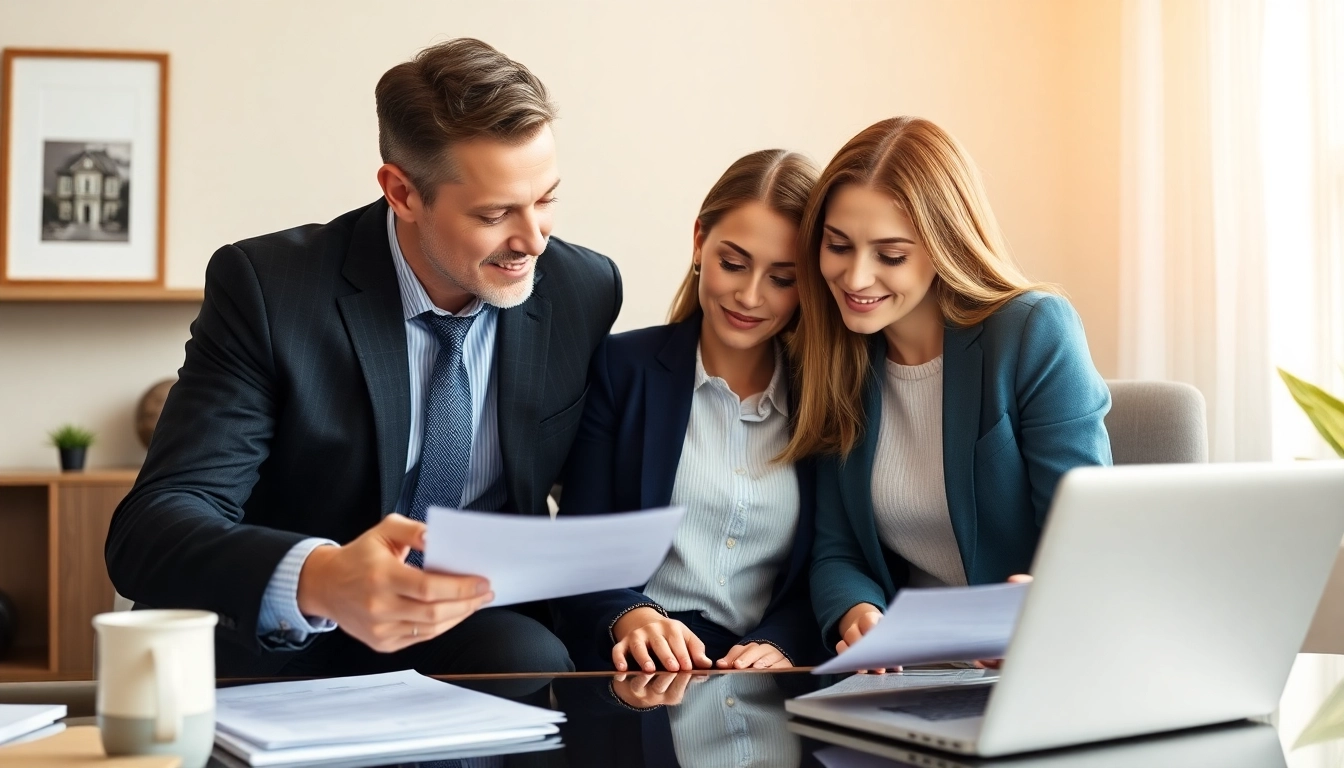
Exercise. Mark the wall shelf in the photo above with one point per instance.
(25, 664)
(52, 529)
(102, 293)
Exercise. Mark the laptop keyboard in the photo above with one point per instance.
(945, 704)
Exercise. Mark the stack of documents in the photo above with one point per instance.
(926, 626)
(22, 722)
(393, 715)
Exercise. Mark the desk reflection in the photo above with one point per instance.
(1242, 745)
(681, 719)
(687, 721)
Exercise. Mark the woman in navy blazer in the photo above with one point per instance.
(695, 413)
(945, 393)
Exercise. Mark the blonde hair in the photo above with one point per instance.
(932, 179)
(778, 178)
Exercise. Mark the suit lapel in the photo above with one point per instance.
(521, 344)
(962, 365)
(669, 386)
(856, 470)
(373, 319)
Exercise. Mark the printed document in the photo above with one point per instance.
(530, 558)
(905, 680)
(18, 720)
(926, 626)
(392, 713)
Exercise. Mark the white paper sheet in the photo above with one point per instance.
(222, 758)
(357, 711)
(380, 752)
(908, 679)
(537, 558)
(19, 719)
(925, 626)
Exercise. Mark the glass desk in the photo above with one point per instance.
(737, 719)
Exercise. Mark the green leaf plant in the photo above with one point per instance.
(1324, 409)
(71, 436)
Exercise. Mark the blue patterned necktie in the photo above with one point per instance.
(445, 452)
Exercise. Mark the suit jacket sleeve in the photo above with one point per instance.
(840, 574)
(1062, 400)
(583, 622)
(178, 540)
(792, 628)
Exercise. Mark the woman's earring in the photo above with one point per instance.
(695, 268)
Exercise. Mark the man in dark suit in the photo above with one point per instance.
(430, 348)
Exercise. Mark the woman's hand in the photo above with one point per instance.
(754, 656)
(645, 634)
(1020, 578)
(643, 691)
(856, 623)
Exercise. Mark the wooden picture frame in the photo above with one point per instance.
(83, 172)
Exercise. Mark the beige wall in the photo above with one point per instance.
(1089, 268)
(272, 125)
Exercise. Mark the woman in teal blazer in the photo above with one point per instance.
(943, 392)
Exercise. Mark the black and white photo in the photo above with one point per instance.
(86, 191)
(83, 165)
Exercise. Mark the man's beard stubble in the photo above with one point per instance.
(503, 297)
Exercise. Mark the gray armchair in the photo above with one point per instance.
(1156, 422)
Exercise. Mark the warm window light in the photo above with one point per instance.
(1303, 180)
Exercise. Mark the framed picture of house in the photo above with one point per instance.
(83, 164)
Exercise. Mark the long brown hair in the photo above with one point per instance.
(780, 179)
(932, 179)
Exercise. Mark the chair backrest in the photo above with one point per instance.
(1156, 422)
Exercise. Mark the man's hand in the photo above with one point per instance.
(649, 691)
(856, 623)
(754, 656)
(645, 633)
(367, 588)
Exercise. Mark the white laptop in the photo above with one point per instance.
(1235, 745)
(1165, 597)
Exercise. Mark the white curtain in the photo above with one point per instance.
(1231, 221)
(1303, 154)
(1232, 228)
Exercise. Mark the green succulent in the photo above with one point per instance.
(1324, 409)
(71, 436)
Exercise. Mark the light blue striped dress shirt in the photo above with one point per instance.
(741, 507)
(280, 620)
(733, 720)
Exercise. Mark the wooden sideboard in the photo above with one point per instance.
(52, 529)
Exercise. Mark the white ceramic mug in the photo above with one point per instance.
(156, 683)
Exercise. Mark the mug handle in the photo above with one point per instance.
(168, 721)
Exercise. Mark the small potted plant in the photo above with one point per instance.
(73, 442)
